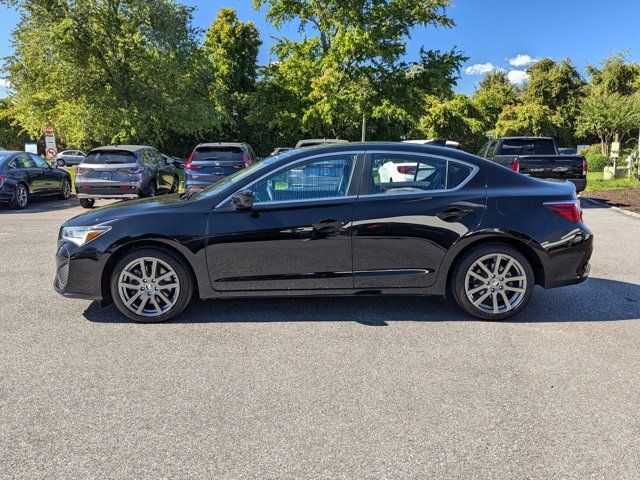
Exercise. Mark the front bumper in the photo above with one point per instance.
(79, 270)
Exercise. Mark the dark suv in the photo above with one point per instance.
(211, 162)
(124, 171)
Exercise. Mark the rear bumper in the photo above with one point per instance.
(106, 196)
(110, 190)
(568, 263)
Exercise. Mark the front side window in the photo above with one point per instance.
(396, 173)
(320, 178)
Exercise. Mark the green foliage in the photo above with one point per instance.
(104, 71)
(595, 183)
(11, 135)
(596, 160)
(527, 119)
(231, 47)
(616, 75)
(492, 96)
(607, 114)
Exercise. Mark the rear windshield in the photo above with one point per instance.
(111, 156)
(223, 154)
(540, 146)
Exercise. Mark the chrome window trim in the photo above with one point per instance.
(475, 170)
(287, 165)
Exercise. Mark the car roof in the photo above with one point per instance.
(321, 140)
(524, 138)
(221, 144)
(126, 148)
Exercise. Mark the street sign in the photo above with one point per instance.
(50, 142)
(615, 149)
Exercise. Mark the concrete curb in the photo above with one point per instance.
(606, 205)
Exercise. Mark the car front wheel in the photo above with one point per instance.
(151, 285)
(493, 282)
(20, 198)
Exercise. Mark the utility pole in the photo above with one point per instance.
(364, 128)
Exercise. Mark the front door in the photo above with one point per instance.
(412, 209)
(296, 237)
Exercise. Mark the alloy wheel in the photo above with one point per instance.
(148, 287)
(22, 196)
(496, 283)
(66, 189)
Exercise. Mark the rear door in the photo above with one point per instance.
(403, 228)
(213, 163)
(34, 175)
(50, 180)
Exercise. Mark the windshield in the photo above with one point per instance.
(110, 156)
(236, 177)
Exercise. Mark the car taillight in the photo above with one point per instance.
(515, 165)
(585, 167)
(188, 164)
(80, 170)
(245, 160)
(1, 179)
(569, 210)
(406, 170)
(239, 167)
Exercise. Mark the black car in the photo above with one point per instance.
(320, 222)
(24, 176)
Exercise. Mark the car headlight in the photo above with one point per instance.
(82, 235)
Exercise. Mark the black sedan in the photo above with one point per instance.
(321, 221)
(25, 175)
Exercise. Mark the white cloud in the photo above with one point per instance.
(517, 77)
(521, 60)
(4, 83)
(479, 69)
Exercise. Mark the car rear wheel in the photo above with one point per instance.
(65, 189)
(151, 189)
(20, 198)
(87, 202)
(493, 282)
(151, 285)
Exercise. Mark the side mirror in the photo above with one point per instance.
(243, 200)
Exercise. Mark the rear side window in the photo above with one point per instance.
(218, 154)
(457, 173)
(528, 147)
(22, 161)
(109, 156)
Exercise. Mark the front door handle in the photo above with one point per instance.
(453, 214)
(327, 226)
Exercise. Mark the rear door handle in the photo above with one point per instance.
(453, 214)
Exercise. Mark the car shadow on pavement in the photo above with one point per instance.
(597, 300)
(41, 206)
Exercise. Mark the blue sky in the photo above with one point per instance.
(491, 32)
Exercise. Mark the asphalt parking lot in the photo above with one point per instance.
(319, 388)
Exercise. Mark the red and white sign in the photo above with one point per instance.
(50, 142)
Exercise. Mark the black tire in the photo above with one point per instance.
(151, 189)
(87, 202)
(20, 199)
(183, 274)
(175, 185)
(65, 189)
(458, 279)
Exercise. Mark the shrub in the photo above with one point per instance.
(596, 161)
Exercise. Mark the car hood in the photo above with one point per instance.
(118, 210)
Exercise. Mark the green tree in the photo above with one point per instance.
(109, 71)
(348, 62)
(559, 87)
(454, 119)
(526, 119)
(232, 49)
(492, 96)
(609, 114)
(12, 137)
(616, 75)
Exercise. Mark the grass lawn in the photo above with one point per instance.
(595, 182)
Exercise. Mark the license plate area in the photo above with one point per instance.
(217, 171)
(106, 176)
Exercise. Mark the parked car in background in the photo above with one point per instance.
(537, 157)
(320, 222)
(24, 176)
(279, 150)
(177, 162)
(124, 171)
(313, 142)
(211, 162)
(69, 157)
